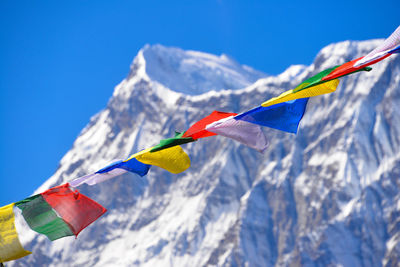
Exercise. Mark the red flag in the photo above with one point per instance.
(76, 209)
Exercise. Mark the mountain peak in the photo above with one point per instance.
(192, 72)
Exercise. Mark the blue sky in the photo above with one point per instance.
(59, 61)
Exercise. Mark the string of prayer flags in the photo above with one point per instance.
(198, 130)
(10, 246)
(114, 169)
(59, 212)
(284, 116)
(244, 132)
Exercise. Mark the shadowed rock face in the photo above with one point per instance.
(326, 196)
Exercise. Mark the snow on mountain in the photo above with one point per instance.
(326, 196)
(193, 72)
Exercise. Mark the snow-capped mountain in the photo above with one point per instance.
(328, 196)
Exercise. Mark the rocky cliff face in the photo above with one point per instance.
(326, 196)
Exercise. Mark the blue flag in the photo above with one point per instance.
(283, 116)
(132, 165)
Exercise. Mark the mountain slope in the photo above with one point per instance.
(328, 195)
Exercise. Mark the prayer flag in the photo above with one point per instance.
(284, 116)
(170, 142)
(247, 133)
(172, 159)
(59, 212)
(114, 169)
(42, 218)
(76, 209)
(349, 68)
(10, 246)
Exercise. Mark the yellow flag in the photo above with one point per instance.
(320, 89)
(10, 247)
(172, 159)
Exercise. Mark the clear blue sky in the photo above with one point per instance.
(59, 61)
